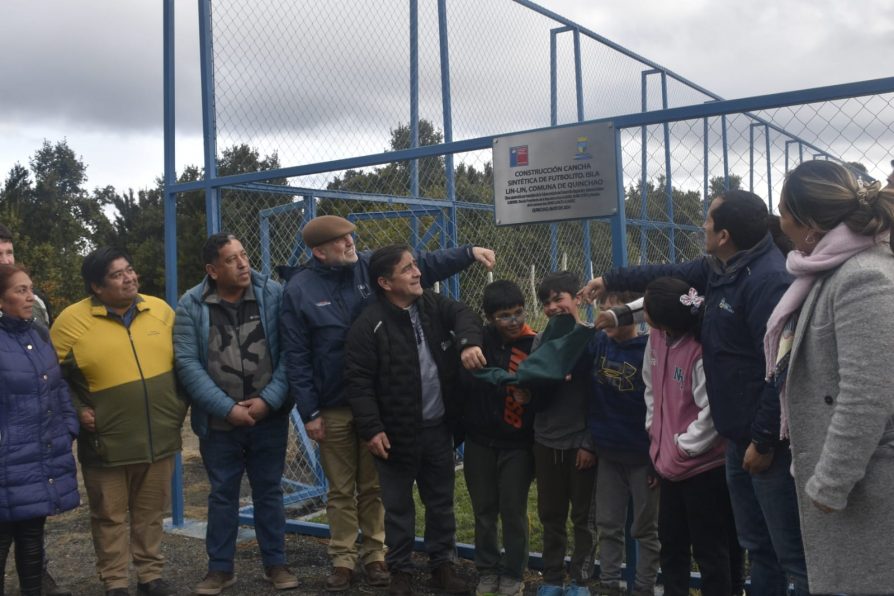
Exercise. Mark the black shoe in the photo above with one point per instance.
(51, 588)
(156, 587)
(118, 592)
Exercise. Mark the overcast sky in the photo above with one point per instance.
(90, 71)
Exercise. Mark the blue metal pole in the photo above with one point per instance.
(310, 212)
(669, 188)
(265, 245)
(553, 121)
(414, 94)
(209, 127)
(170, 215)
(769, 168)
(707, 199)
(553, 79)
(751, 157)
(578, 77)
(619, 221)
(448, 134)
(579, 88)
(644, 157)
(725, 153)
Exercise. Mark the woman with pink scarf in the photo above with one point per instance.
(828, 348)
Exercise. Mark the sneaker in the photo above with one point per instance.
(550, 590)
(509, 586)
(51, 588)
(445, 579)
(281, 577)
(339, 580)
(155, 587)
(377, 574)
(215, 582)
(573, 589)
(401, 584)
(487, 585)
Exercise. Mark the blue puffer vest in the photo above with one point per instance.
(37, 426)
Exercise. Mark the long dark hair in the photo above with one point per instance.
(665, 308)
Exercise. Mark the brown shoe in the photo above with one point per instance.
(401, 584)
(444, 578)
(339, 580)
(215, 582)
(377, 574)
(281, 577)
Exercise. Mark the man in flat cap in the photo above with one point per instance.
(322, 299)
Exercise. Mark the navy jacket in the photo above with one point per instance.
(191, 328)
(37, 426)
(617, 413)
(319, 305)
(739, 298)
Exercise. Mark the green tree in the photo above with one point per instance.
(54, 219)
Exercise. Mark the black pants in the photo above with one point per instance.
(28, 537)
(560, 486)
(432, 469)
(696, 512)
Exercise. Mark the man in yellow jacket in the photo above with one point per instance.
(116, 351)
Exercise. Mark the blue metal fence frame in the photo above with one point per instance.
(212, 183)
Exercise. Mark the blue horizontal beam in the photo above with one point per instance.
(759, 102)
(717, 108)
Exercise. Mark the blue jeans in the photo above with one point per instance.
(259, 451)
(765, 507)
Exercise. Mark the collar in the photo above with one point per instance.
(98, 309)
(743, 258)
(14, 324)
(210, 295)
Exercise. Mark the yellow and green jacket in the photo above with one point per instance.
(127, 376)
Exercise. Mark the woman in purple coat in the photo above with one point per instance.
(37, 427)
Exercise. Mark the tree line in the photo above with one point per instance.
(56, 220)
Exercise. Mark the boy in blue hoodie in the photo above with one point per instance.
(617, 421)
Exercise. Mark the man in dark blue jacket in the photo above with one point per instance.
(742, 277)
(322, 299)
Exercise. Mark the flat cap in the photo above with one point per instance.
(324, 228)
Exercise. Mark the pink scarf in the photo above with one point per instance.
(833, 249)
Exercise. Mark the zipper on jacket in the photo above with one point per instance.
(145, 393)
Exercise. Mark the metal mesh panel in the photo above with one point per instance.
(309, 84)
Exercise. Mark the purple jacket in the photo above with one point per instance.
(37, 426)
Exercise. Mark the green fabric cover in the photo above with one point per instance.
(561, 344)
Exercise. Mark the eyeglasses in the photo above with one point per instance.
(517, 316)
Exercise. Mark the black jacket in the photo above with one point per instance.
(382, 374)
(491, 417)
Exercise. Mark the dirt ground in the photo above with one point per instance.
(72, 560)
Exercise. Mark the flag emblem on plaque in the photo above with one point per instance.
(518, 156)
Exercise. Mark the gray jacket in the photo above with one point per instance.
(840, 389)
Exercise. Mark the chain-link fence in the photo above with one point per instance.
(320, 95)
